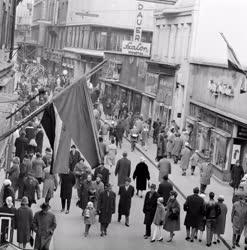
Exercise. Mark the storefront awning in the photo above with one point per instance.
(87, 52)
(162, 68)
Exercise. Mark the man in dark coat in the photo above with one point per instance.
(103, 149)
(101, 169)
(67, 183)
(119, 133)
(123, 169)
(106, 208)
(74, 157)
(141, 174)
(237, 174)
(44, 225)
(194, 208)
(149, 209)
(156, 127)
(30, 131)
(164, 189)
(21, 144)
(39, 139)
(126, 193)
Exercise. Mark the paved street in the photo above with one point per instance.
(69, 233)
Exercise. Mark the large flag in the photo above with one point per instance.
(70, 117)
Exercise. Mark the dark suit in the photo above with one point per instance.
(164, 190)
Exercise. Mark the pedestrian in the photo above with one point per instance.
(170, 143)
(44, 225)
(89, 217)
(221, 220)
(177, 148)
(141, 174)
(165, 188)
(119, 133)
(39, 137)
(21, 144)
(103, 149)
(74, 157)
(149, 209)
(161, 146)
(212, 213)
(194, 160)
(126, 192)
(14, 172)
(104, 131)
(37, 167)
(99, 187)
(172, 219)
(194, 208)
(50, 184)
(202, 223)
(67, 183)
(237, 173)
(206, 172)
(30, 132)
(156, 130)
(112, 131)
(6, 191)
(101, 169)
(30, 187)
(88, 191)
(144, 135)
(238, 218)
(123, 169)
(106, 208)
(112, 152)
(47, 158)
(158, 220)
(164, 167)
(24, 220)
(185, 159)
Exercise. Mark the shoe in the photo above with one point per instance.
(187, 238)
(102, 234)
(233, 247)
(192, 173)
(141, 196)
(85, 234)
(127, 225)
(67, 212)
(200, 240)
(237, 244)
(214, 242)
(160, 240)
(105, 233)
(191, 240)
(146, 237)
(195, 237)
(170, 240)
(208, 245)
(218, 241)
(62, 210)
(152, 241)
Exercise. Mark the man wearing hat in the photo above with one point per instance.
(104, 172)
(123, 169)
(21, 144)
(44, 225)
(126, 192)
(185, 159)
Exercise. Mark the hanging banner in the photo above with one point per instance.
(136, 48)
(138, 23)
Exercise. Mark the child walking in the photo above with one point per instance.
(89, 217)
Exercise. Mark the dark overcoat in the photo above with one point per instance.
(237, 174)
(125, 200)
(67, 183)
(164, 190)
(21, 144)
(24, 220)
(104, 172)
(221, 219)
(73, 159)
(161, 146)
(123, 169)
(194, 208)
(141, 174)
(44, 225)
(149, 208)
(30, 186)
(39, 140)
(106, 206)
(87, 189)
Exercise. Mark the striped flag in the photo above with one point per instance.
(70, 117)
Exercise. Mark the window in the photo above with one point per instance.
(81, 37)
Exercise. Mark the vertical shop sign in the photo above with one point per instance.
(138, 23)
(235, 153)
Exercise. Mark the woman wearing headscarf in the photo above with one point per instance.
(6, 191)
(141, 174)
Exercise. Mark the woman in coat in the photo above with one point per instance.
(170, 143)
(50, 184)
(149, 208)
(220, 220)
(206, 172)
(161, 146)
(177, 148)
(141, 174)
(185, 160)
(24, 220)
(172, 220)
(237, 174)
(14, 173)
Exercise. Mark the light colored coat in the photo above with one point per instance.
(164, 167)
(238, 217)
(185, 160)
(206, 172)
(221, 219)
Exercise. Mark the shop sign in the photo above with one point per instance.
(136, 48)
(220, 88)
(138, 22)
(242, 132)
(235, 153)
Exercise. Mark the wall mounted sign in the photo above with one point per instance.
(136, 48)
(235, 153)
(138, 22)
(220, 88)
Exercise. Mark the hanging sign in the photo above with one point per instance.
(136, 48)
(138, 23)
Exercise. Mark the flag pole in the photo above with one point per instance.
(45, 105)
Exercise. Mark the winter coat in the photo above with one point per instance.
(14, 173)
(104, 172)
(106, 206)
(194, 208)
(170, 143)
(238, 216)
(7, 191)
(30, 186)
(90, 216)
(30, 133)
(161, 146)
(149, 208)
(37, 166)
(67, 183)
(185, 160)
(119, 130)
(21, 144)
(50, 183)
(172, 224)
(165, 187)
(212, 210)
(24, 220)
(44, 225)
(87, 193)
(39, 140)
(194, 159)
(73, 159)
(177, 146)
(164, 167)
(206, 172)
(123, 170)
(237, 174)
(79, 170)
(221, 219)
(160, 215)
(125, 200)
(141, 174)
